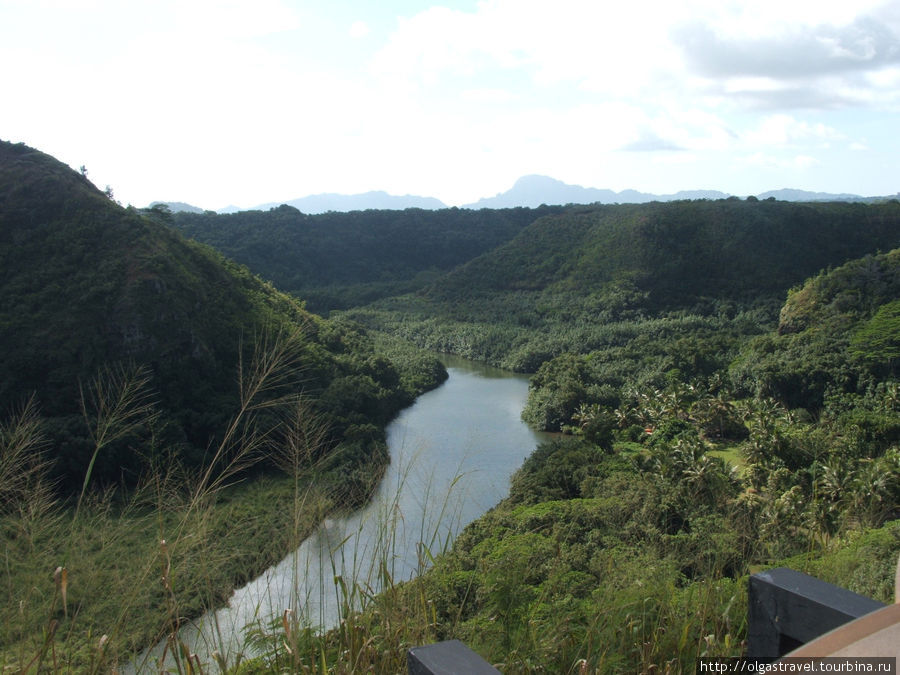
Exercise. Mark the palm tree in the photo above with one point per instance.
(585, 414)
(715, 411)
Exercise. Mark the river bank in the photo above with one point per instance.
(134, 570)
(87, 585)
(452, 454)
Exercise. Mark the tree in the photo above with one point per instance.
(877, 342)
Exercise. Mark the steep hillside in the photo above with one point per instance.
(837, 333)
(680, 253)
(338, 260)
(87, 287)
(688, 463)
(629, 277)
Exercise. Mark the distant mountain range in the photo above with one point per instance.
(787, 195)
(178, 207)
(536, 190)
(368, 200)
(530, 191)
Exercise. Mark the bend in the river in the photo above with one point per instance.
(452, 454)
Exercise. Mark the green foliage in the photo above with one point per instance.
(677, 255)
(339, 260)
(863, 562)
(131, 566)
(836, 333)
(650, 545)
(654, 294)
(555, 575)
(877, 341)
(555, 470)
(655, 337)
(88, 286)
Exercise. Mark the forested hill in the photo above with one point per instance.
(591, 277)
(837, 333)
(337, 260)
(89, 289)
(665, 256)
(698, 456)
(705, 434)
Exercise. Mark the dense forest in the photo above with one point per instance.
(588, 277)
(339, 260)
(144, 378)
(723, 375)
(91, 290)
(627, 547)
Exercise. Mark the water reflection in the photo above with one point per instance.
(452, 454)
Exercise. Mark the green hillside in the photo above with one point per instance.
(837, 333)
(337, 260)
(724, 375)
(87, 288)
(679, 254)
(698, 449)
(591, 278)
(170, 425)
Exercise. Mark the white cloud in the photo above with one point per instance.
(763, 160)
(272, 100)
(598, 47)
(229, 19)
(784, 130)
(487, 95)
(643, 48)
(359, 29)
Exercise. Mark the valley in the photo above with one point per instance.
(721, 376)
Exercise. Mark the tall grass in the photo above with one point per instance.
(648, 626)
(365, 574)
(88, 582)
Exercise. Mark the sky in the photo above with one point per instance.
(219, 103)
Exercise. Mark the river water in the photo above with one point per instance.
(452, 454)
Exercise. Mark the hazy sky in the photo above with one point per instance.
(217, 103)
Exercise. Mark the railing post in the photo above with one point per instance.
(447, 658)
(787, 608)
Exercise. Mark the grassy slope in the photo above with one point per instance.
(88, 288)
(114, 561)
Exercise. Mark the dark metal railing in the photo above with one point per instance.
(444, 658)
(787, 608)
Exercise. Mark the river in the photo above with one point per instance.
(452, 454)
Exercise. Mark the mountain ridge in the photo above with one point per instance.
(529, 191)
(373, 253)
(534, 190)
(685, 250)
(88, 287)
